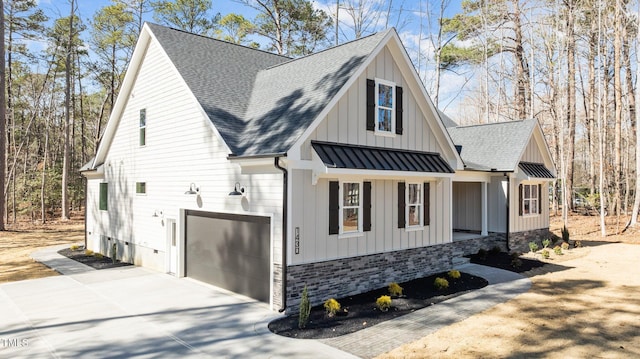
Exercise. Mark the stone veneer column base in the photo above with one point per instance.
(519, 241)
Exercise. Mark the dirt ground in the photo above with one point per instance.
(23, 238)
(583, 305)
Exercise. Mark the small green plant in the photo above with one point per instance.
(395, 289)
(98, 255)
(557, 250)
(331, 306)
(114, 252)
(88, 252)
(383, 303)
(454, 274)
(304, 310)
(495, 250)
(74, 247)
(546, 242)
(533, 246)
(578, 244)
(564, 246)
(441, 283)
(482, 254)
(565, 234)
(545, 253)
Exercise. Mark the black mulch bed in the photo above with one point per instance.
(505, 261)
(92, 261)
(361, 311)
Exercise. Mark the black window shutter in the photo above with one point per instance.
(427, 214)
(401, 205)
(371, 105)
(366, 206)
(520, 198)
(398, 110)
(334, 207)
(539, 198)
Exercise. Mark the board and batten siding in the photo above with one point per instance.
(181, 148)
(467, 206)
(497, 204)
(310, 217)
(346, 121)
(526, 223)
(532, 152)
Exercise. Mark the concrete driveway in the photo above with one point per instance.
(136, 312)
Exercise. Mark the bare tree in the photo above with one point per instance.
(67, 120)
(3, 119)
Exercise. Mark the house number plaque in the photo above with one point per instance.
(297, 241)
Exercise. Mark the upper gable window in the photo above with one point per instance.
(143, 127)
(384, 107)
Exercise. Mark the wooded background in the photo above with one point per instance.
(571, 64)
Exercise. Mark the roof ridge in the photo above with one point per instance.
(329, 48)
(493, 123)
(218, 40)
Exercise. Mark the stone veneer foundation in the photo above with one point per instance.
(348, 276)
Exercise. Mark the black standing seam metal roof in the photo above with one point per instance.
(537, 170)
(339, 155)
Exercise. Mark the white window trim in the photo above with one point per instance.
(420, 206)
(378, 132)
(531, 208)
(358, 232)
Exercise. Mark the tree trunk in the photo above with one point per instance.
(67, 121)
(3, 123)
(636, 202)
(571, 111)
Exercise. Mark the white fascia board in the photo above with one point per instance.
(459, 165)
(294, 150)
(121, 100)
(472, 176)
(146, 36)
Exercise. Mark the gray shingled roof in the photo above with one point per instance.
(493, 146)
(259, 102)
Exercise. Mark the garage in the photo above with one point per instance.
(230, 251)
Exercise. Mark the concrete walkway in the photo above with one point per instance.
(135, 312)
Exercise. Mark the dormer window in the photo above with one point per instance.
(384, 107)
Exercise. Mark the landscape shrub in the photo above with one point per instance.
(304, 310)
(495, 250)
(546, 242)
(395, 289)
(454, 274)
(98, 255)
(482, 254)
(383, 303)
(557, 250)
(564, 245)
(88, 252)
(74, 247)
(545, 253)
(331, 306)
(441, 283)
(516, 262)
(533, 246)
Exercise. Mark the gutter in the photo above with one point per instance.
(285, 208)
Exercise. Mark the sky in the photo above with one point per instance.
(407, 22)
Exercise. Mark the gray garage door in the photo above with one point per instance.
(229, 251)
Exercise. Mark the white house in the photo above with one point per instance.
(262, 174)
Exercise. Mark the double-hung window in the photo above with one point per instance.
(143, 127)
(351, 207)
(385, 107)
(141, 187)
(530, 198)
(414, 205)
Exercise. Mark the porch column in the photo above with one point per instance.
(483, 201)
